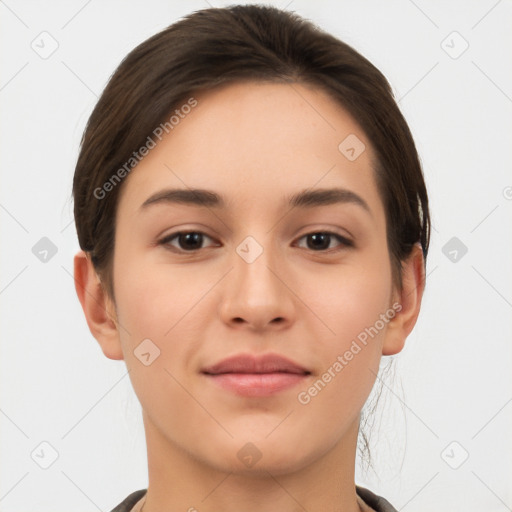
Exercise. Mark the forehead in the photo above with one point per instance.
(253, 141)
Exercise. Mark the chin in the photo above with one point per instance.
(262, 456)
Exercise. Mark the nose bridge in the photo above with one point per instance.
(255, 293)
(252, 270)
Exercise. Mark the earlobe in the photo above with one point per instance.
(98, 308)
(409, 298)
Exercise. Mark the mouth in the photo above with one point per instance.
(256, 376)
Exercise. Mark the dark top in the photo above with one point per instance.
(378, 503)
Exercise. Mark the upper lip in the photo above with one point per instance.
(248, 363)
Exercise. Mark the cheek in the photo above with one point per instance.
(354, 309)
(157, 303)
(164, 304)
(349, 298)
(350, 357)
(154, 299)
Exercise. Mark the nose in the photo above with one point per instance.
(257, 294)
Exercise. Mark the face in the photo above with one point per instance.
(256, 274)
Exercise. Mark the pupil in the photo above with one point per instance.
(320, 241)
(190, 240)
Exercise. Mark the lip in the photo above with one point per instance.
(250, 375)
(248, 363)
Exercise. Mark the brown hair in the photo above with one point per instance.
(224, 45)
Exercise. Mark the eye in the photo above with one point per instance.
(186, 240)
(321, 241)
(192, 241)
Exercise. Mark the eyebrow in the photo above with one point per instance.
(304, 199)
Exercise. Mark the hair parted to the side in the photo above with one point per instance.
(218, 46)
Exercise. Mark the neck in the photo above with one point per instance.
(180, 482)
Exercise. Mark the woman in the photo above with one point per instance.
(254, 225)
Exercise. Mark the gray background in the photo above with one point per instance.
(452, 394)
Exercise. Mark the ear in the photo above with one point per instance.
(99, 310)
(409, 298)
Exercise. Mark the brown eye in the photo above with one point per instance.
(185, 240)
(321, 241)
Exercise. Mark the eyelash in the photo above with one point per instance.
(345, 242)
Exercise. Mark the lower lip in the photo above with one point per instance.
(257, 384)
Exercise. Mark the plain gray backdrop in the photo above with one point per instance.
(71, 430)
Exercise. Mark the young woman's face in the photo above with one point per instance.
(257, 275)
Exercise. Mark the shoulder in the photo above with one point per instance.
(129, 502)
(377, 503)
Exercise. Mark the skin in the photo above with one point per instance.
(255, 144)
